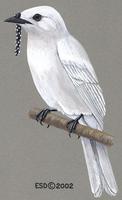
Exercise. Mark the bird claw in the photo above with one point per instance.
(42, 115)
(71, 126)
(78, 137)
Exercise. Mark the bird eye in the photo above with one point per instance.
(37, 17)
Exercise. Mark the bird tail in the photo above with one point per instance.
(99, 168)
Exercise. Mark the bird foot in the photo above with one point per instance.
(42, 115)
(71, 125)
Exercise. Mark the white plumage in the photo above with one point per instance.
(65, 78)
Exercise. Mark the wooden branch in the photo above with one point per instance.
(53, 119)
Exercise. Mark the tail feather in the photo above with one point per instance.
(99, 167)
(92, 166)
(109, 179)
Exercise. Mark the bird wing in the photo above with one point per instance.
(75, 61)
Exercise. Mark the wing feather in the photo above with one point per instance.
(78, 67)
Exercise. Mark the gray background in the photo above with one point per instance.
(30, 153)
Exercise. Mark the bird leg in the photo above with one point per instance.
(71, 125)
(42, 115)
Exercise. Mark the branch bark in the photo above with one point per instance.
(53, 119)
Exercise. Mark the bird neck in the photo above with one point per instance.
(40, 41)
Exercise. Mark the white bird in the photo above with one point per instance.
(66, 80)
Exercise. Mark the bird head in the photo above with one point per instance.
(40, 20)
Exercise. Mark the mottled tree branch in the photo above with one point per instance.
(53, 119)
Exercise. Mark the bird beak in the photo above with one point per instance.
(17, 20)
